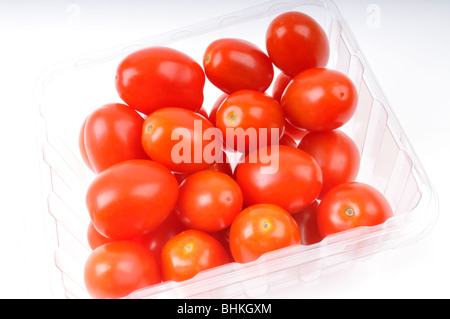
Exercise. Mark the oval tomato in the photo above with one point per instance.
(337, 155)
(235, 64)
(287, 177)
(259, 229)
(131, 198)
(208, 201)
(177, 138)
(253, 118)
(320, 100)
(158, 77)
(116, 269)
(352, 205)
(307, 223)
(111, 134)
(295, 42)
(189, 253)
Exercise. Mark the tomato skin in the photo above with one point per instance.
(189, 253)
(235, 64)
(293, 186)
(82, 146)
(116, 269)
(307, 223)
(351, 205)
(208, 201)
(215, 107)
(295, 42)
(337, 155)
(259, 229)
(111, 135)
(320, 100)
(250, 110)
(158, 77)
(159, 144)
(279, 86)
(131, 198)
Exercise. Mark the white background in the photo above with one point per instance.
(407, 44)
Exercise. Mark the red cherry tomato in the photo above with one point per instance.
(215, 107)
(176, 138)
(287, 177)
(116, 269)
(235, 64)
(189, 253)
(82, 147)
(307, 223)
(259, 229)
(337, 155)
(252, 116)
(131, 198)
(295, 42)
(320, 100)
(279, 85)
(208, 201)
(352, 205)
(158, 77)
(111, 135)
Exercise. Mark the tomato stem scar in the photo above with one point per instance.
(349, 212)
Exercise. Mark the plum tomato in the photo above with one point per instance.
(283, 176)
(248, 119)
(178, 138)
(351, 205)
(259, 229)
(337, 155)
(208, 201)
(295, 42)
(189, 253)
(236, 64)
(158, 77)
(306, 221)
(131, 198)
(116, 269)
(109, 135)
(320, 100)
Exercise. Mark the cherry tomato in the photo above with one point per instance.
(215, 107)
(189, 253)
(295, 42)
(208, 201)
(259, 229)
(176, 138)
(116, 269)
(158, 77)
(288, 141)
(235, 64)
(337, 155)
(307, 223)
(296, 133)
(82, 147)
(287, 177)
(131, 198)
(111, 135)
(352, 205)
(279, 85)
(252, 116)
(320, 100)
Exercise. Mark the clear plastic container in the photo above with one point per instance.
(69, 91)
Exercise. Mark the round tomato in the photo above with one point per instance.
(320, 100)
(249, 119)
(283, 176)
(259, 229)
(352, 205)
(208, 201)
(279, 85)
(178, 139)
(131, 198)
(295, 42)
(189, 253)
(157, 77)
(235, 64)
(111, 134)
(116, 269)
(337, 155)
(307, 223)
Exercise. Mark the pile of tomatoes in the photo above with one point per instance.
(167, 203)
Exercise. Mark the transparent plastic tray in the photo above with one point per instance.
(69, 91)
